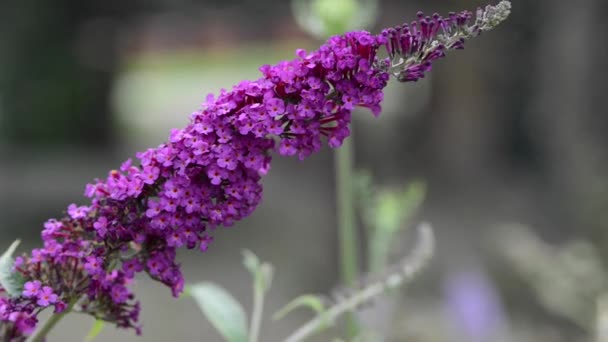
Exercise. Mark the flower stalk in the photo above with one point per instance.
(41, 334)
(347, 232)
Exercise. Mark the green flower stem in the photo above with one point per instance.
(347, 234)
(346, 213)
(256, 315)
(44, 330)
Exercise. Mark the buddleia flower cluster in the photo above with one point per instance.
(208, 174)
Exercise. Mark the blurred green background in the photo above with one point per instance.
(508, 135)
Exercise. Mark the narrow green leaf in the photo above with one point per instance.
(262, 273)
(251, 261)
(95, 330)
(314, 302)
(11, 282)
(222, 310)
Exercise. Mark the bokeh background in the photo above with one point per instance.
(508, 136)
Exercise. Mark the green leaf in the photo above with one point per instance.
(95, 330)
(262, 273)
(11, 282)
(251, 261)
(314, 302)
(222, 310)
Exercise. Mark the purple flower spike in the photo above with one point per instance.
(208, 174)
(413, 47)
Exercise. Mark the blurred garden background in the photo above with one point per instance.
(509, 137)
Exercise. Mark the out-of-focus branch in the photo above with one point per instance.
(407, 269)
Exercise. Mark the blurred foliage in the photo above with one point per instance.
(229, 317)
(324, 18)
(568, 280)
(348, 300)
(57, 64)
(385, 212)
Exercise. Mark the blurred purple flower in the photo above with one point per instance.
(474, 306)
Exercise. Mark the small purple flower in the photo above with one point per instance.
(175, 239)
(154, 208)
(155, 266)
(150, 174)
(101, 226)
(119, 294)
(132, 266)
(77, 212)
(254, 161)
(224, 134)
(60, 307)
(51, 227)
(169, 204)
(172, 189)
(204, 242)
(203, 127)
(287, 148)
(216, 175)
(275, 107)
(349, 101)
(93, 265)
(274, 127)
(31, 289)
(46, 296)
(200, 147)
(191, 204)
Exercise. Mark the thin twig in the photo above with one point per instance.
(420, 256)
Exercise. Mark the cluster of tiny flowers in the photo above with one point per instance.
(413, 47)
(207, 175)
